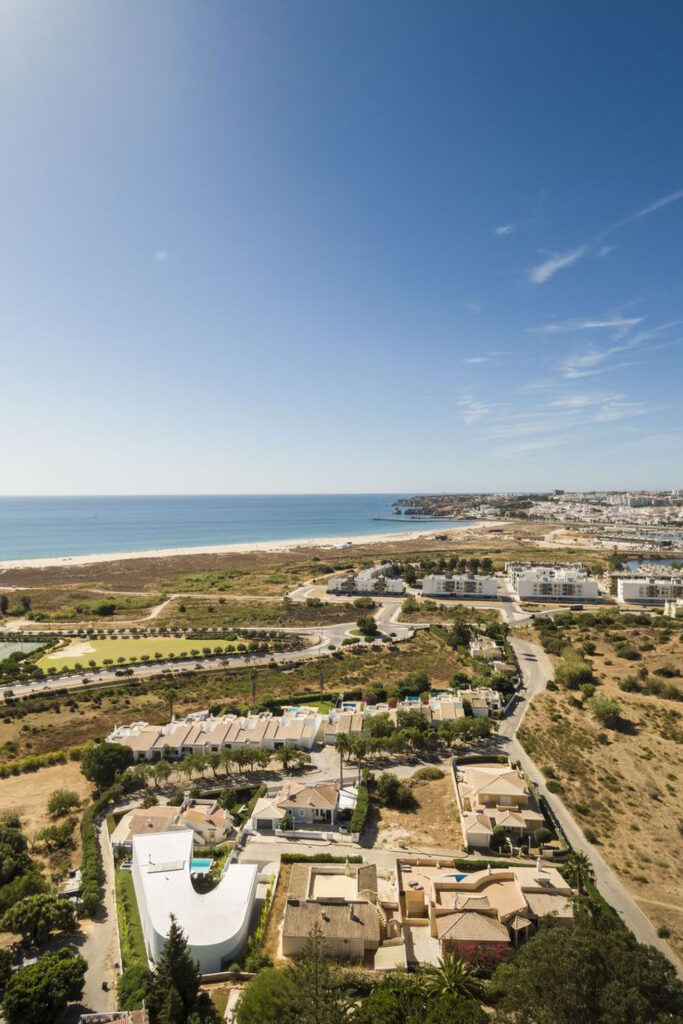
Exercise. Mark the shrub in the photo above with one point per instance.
(605, 709)
(360, 811)
(554, 787)
(591, 835)
(663, 932)
(427, 774)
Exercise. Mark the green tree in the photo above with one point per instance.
(4, 604)
(40, 993)
(322, 999)
(175, 975)
(36, 917)
(133, 986)
(456, 977)
(101, 763)
(271, 998)
(342, 745)
(14, 859)
(579, 870)
(595, 971)
(6, 965)
(287, 755)
(402, 998)
(62, 801)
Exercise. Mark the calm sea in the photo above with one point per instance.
(44, 527)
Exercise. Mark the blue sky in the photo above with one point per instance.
(305, 246)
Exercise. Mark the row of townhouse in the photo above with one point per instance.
(202, 733)
(552, 582)
(464, 585)
(444, 706)
(368, 581)
(650, 590)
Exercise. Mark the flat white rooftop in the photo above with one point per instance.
(215, 923)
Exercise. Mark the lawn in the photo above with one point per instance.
(124, 651)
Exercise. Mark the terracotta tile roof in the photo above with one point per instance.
(470, 926)
(338, 921)
(294, 794)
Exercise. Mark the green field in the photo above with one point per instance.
(82, 652)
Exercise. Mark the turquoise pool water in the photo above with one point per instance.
(458, 878)
(201, 865)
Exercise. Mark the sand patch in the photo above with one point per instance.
(72, 651)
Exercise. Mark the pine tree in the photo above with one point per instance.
(175, 980)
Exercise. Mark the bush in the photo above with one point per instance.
(323, 858)
(62, 801)
(360, 812)
(133, 986)
(554, 787)
(427, 774)
(605, 709)
(591, 835)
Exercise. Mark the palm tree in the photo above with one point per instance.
(455, 977)
(579, 870)
(342, 745)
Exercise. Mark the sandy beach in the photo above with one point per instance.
(276, 546)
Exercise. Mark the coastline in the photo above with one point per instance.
(275, 546)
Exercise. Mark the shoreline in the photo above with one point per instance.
(274, 546)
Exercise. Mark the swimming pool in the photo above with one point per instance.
(458, 878)
(201, 865)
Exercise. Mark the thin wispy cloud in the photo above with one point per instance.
(558, 261)
(589, 363)
(475, 360)
(161, 256)
(506, 229)
(618, 323)
(544, 271)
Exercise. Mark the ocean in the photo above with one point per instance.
(52, 527)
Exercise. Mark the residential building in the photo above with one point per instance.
(552, 582)
(480, 916)
(210, 822)
(674, 609)
(486, 648)
(484, 701)
(373, 581)
(145, 821)
(463, 585)
(341, 899)
(345, 720)
(216, 924)
(208, 734)
(304, 807)
(649, 590)
(491, 796)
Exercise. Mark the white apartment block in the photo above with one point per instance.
(368, 581)
(486, 648)
(461, 585)
(649, 590)
(552, 582)
(674, 609)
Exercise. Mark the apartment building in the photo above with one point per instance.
(674, 609)
(552, 582)
(462, 585)
(373, 581)
(649, 590)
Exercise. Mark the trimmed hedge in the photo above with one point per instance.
(324, 858)
(360, 811)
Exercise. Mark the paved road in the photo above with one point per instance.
(536, 671)
(100, 947)
(321, 640)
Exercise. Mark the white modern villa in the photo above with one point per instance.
(216, 924)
